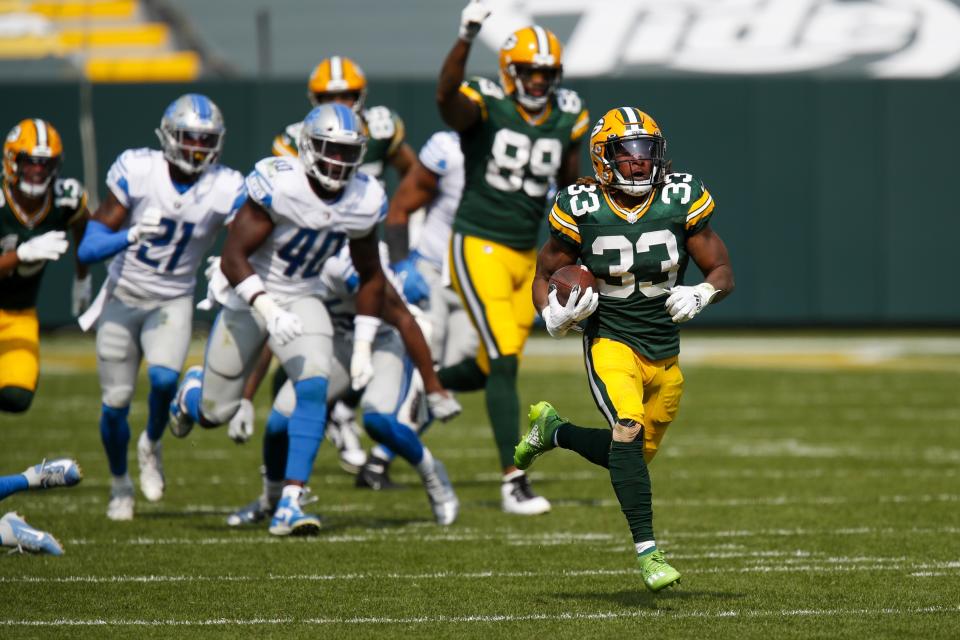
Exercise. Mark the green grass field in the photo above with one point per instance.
(813, 495)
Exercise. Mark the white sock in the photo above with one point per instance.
(122, 482)
(507, 477)
(342, 413)
(425, 465)
(292, 491)
(643, 547)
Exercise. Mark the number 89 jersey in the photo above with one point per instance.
(509, 163)
(307, 230)
(636, 255)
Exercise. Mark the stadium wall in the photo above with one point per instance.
(834, 196)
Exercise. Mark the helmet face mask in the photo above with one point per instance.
(628, 151)
(535, 84)
(191, 133)
(338, 79)
(530, 66)
(331, 145)
(32, 154)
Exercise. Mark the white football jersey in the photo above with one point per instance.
(307, 230)
(442, 156)
(165, 266)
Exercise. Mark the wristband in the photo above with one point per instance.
(250, 288)
(365, 328)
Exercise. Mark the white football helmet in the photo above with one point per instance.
(331, 144)
(191, 133)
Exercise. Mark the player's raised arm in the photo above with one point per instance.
(456, 109)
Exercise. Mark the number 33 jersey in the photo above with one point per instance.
(165, 266)
(635, 254)
(511, 162)
(307, 229)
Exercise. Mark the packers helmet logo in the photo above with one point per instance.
(597, 128)
(511, 42)
(14, 134)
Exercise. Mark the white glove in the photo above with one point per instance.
(282, 325)
(218, 287)
(560, 318)
(471, 19)
(49, 246)
(686, 302)
(361, 364)
(81, 295)
(443, 406)
(148, 227)
(240, 428)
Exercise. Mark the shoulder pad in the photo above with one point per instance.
(680, 189)
(135, 161)
(262, 182)
(569, 101)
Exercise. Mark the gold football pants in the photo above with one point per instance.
(19, 350)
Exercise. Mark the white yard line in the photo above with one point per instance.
(493, 618)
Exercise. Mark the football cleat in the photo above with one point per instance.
(656, 573)
(63, 472)
(120, 507)
(518, 497)
(257, 511)
(443, 500)
(150, 458)
(344, 432)
(290, 520)
(375, 474)
(29, 539)
(539, 439)
(180, 421)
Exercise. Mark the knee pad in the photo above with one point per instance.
(627, 430)
(163, 379)
(15, 399)
(506, 366)
(117, 395)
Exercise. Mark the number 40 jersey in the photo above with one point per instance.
(635, 255)
(165, 267)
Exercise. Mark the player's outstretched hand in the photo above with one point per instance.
(471, 19)
(443, 406)
(48, 246)
(686, 302)
(240, 429)
(150, 225)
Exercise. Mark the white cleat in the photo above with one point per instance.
(63, 472)
(443, 501)
(120, 507)
(150, 458)
(518, 497)
(23, 537)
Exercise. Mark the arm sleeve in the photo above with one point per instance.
(100, 242)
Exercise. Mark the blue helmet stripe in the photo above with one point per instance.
(346, 117)
(201, 105)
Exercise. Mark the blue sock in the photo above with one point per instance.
(306, 427)
(11, 484)
(275, 444)
(163, 386)
(387, 430)
(115, 435)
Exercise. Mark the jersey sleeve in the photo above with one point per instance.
(285, 144)
(122, 178)
(370, 210)
(563, 224)
(480, 91)
(384, 123)
(70, 197)
(235, 195)
(699, 208)
(441, 154)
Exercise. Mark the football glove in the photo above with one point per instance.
(361, 361)
(282, 325)
(415, 288)
(443, 406)
(686, 302)
(148, 227)
(81, 295)
(240, 428)
(559, 318)
(218, 287)
(471, 19)
(48, 246)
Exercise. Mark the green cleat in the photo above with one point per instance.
(543, 423)
(657, 574)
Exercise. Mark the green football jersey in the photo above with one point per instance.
(385, 133)
(67, 203)
(509, 163)
(636, 255)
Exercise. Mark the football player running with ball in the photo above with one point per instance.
(635, 228)
(299, 213)
(517, 137)
(162, 212)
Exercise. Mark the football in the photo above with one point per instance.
(566, 278)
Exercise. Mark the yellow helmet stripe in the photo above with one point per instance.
(336, 68)
(543, 42)
(41, 128)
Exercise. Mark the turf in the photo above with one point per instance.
(798, 502)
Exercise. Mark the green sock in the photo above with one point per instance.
(464, 376)
(503, 406)
(592, 444)
(631, 482)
